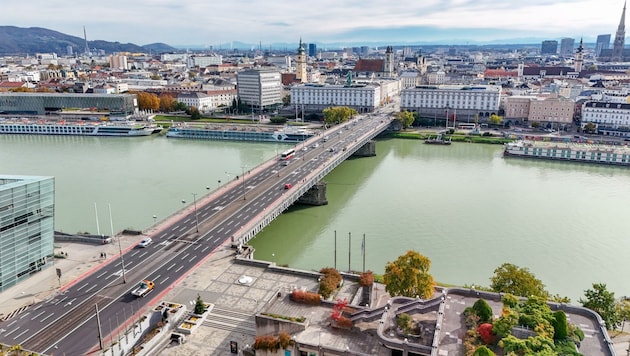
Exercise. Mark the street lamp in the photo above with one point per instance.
(154, 219)
(243, 176)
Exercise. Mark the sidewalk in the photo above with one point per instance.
(82, 258)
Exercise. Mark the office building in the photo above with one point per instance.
(312, 49)
(27, 206)
(549, 48)
(603, 42)
(566, 47)
(259, 88)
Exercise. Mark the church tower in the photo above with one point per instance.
(388, 63)
(579, 57)
(618, 44)
(300, 63)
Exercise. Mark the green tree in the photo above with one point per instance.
(179, 106)
(286, 100)
(406, 118)
(601, 301)
(404, 322)
(194, 113)
(535, 124)
(496, 119)
(200, 307)
(560, 326)
(483, 310)
(337, 114)
(409, 276)
(509, 278)
(483, 351)
(590, 127)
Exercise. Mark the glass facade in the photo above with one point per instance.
(41, 103)
(27, 206)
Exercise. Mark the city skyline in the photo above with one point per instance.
(198, 23)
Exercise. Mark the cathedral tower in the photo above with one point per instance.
(618, 44)
(388, 63)
(579, 57)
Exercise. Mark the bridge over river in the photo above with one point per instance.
(66, 323)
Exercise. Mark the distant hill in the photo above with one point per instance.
(20, 41)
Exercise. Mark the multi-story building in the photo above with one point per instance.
(27, 206)
(259, 88)
(551, 109)
(41, 103)
(516, 108)
(208, 101)
(117, 61)
(603, 42)
(468, 102)
(566, 47)
(311, 97)
(549, 48)
(612, 119)
(409, 79)
(312, 49)
(204, 61)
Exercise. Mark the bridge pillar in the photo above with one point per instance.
(367, 150)
(314, 196)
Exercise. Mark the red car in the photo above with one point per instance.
(287, 186)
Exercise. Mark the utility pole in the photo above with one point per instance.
(196, 216)
(122, 259)
(98, 325)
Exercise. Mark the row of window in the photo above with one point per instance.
(567, 153)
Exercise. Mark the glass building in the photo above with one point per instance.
(46, 103)
(27, 205)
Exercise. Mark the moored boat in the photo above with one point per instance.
(78, 128)
(239, 133)
(569, 151)
(438, 140)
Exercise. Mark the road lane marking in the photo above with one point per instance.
(83, 286)
(38, 315)
(179, 269)
(165, 279)
(20, 334)
(205, 248)
(101, 275)
(192, 258)
(92, 287)
(173, 265)
(12, 331)
(61, 300)
(43, 320)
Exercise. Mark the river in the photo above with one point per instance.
(464, 206)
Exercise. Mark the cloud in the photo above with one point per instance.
(210, 22)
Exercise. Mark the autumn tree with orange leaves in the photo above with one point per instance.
(409, 276)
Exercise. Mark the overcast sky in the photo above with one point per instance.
(217, 22)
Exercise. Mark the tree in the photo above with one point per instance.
(166, 102)
(509, 278)
(496, 119)
(286, 100)
(147, 101)
(483, 351)
(483, 310)
(601, 301)
(486, 334)
(535, 124)
(590, 127)
(179, 106)
(560, 326)
(194, 113)
(337, 114)
(409, 276)
(406, 118)
(200, 307)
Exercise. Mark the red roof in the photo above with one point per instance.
(369, 65)
(494, 73)
(11, 84)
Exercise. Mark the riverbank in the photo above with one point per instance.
(455, 137)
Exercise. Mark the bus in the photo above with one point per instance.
(466, 126)
(287, 155)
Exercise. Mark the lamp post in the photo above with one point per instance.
(122, 260)
(196, 216)
(154, 219)
(243, 184)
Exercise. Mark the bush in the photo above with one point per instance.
(344, 322)
(306, 297)
(486, 334)
(483, 310)
(200, 307)
(329, 281)
(560, 327)
(366, 279)
(483, 351)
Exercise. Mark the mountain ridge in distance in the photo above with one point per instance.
(19, 41)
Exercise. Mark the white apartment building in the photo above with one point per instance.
(259, 88)
(468, 101)
(204, 61)
(172, 57)
(314, 97)
(201, 101)
(612, 119)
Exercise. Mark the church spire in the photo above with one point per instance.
(300, 49)
(620, 38)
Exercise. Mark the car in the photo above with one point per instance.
(287, 186)
(316, 145)
(145, 242)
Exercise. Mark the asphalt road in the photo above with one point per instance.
(66, 323)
